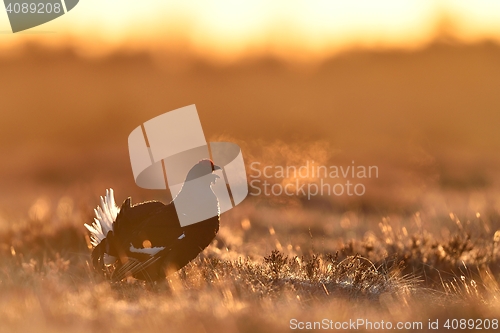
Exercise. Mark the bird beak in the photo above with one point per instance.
(216, 167)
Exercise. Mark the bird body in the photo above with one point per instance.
(147, 240)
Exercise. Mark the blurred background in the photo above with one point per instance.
(408, 86)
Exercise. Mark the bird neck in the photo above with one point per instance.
(196, 203)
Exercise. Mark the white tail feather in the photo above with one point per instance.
(105, 217)
(151, 251)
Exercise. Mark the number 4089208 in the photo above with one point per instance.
(33, 8)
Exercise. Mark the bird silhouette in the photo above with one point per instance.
(148, 240)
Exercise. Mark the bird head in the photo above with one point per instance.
(203, 168)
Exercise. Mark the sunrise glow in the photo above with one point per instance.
(231, 29)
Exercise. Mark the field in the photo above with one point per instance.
(422, 244)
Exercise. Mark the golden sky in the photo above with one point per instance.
(233, 28)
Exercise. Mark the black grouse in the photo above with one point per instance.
(146, 240)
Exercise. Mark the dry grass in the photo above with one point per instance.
(241, 285)
(423, 243)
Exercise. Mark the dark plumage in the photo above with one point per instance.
(146, 240)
